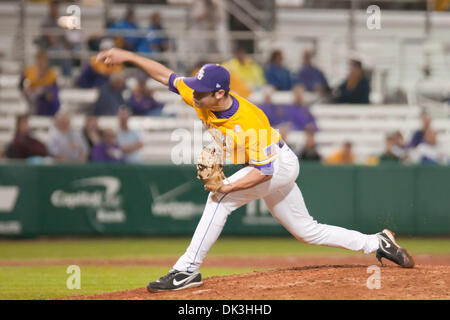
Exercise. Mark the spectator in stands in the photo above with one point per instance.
(94, 40)
(441, 5)
(110, 97)
(274, 112)
(388, 155)
(296, 114)
(54, 40)
(66, 144)
(24, 145)
(428, 151)
(310, 77)
(129, 140)
(419, 135)
(40, 87)
(239, 86)
(356, 88)
(276, 74)
(399, 148)
(141, 100)
(343, 156)
(309, 151)
(123, 30)
(107, 150)
(156, 39)
(246, 69)
(447, 99)
(91, 132)
(96, 73)
(300, 114)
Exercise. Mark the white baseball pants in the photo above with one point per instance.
(284, 200)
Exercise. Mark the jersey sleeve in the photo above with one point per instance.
(177, 85)
(261, 156)
(172, 83)
(266, 169)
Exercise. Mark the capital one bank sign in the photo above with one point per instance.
(97, 193)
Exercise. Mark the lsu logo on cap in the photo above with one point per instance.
(200, 74)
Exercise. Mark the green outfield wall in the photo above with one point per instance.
(96, 199)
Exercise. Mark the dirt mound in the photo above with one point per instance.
(342, 281)
(226, 261)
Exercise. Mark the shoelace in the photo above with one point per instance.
(168, 276)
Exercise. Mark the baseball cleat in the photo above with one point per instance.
(390, 250)
(176, 280)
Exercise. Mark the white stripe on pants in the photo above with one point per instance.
(284, 200)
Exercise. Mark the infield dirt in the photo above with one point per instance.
(295, 278)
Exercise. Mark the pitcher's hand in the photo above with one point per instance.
(114, 56)
(226, 188)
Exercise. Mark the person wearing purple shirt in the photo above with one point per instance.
(47, 102)
(310, 77)
(107, 150)
(89, 78)
(296, 114)
(95, 74)
(141, 101)
(39, 86)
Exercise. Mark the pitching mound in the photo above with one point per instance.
(336, 281)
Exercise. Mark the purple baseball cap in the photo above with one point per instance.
(210, 77)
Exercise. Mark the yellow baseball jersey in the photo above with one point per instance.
(243, 130)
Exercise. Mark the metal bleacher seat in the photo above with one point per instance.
(365, 111)
(365, 126)
(13, 108)
(77, 96)
(9, 81)
(7, 123)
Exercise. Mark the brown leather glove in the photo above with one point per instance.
(209, 167)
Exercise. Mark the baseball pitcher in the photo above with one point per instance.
(243, 135)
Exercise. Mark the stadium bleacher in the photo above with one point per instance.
(399, 52)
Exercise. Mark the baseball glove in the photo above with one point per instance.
(209, 167)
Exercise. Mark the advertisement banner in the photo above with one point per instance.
(19, 213)
(162, 200)
(135, 200)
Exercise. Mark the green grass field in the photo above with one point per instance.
(47, 282)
